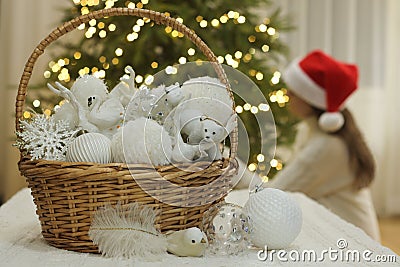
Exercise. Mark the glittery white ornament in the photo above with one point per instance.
(276, 217)
(90, 147)
(228, 229)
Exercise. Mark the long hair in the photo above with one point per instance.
(361, 159)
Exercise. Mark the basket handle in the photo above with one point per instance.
(157, 17)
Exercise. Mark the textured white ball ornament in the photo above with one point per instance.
(331, 121)
(142, 141)
(276, 217)
(90, 147)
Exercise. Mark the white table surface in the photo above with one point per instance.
(21, 243)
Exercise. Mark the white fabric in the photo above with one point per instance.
(321, 170)
(21, 243)
(303, 86)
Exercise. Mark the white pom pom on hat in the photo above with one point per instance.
(324, 83)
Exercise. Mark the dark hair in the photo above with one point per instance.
(361, 158)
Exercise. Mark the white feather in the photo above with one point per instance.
(127, 231)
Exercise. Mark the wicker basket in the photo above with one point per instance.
(67, 193)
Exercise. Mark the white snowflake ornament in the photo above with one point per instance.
(45, 138)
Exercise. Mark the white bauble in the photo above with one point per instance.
(142, 141)
(276, 217)
(90, 147)
(208, 95)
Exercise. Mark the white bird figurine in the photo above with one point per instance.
(126, 88)
(190, 242)
(96, 110)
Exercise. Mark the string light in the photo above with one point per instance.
(247, 106)
(252, 167)
(139, 78)
(102, 59)
(115, 61)
(119, 52)
(112, 27)
(77, 55)
(215, 23)
(241, 19)
(273, 163)
(265, 48)
(149, 80)
(259, 76)
(220, 59)
(131, 5)
(140, 22)
(238, 54)
(47, 74)
(84, 10)
(263, 107)
(203, 23)
(260, 158)
(136, 28)
(239, 109)
(262, 28)
(182, 60)
(81, 27)
(254, 110)
(27, 115)
(251, 38)
(102, 34)
(223, 19)
(36, 103)
(276, 77)
(168, 29)
(191, 52)
(154, 65)
(271, 31)
(92, 22)
(47, 112)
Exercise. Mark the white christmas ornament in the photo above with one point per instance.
(142, 141)
(228, 228)
(90, 147)
(276, 217)
(45, 138)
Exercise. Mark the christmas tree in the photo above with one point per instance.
(234, 31)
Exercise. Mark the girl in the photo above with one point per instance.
(332, 164)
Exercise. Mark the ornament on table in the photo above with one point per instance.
(190, 242)
(90, 147)
(96, 109)
(127, 231)
(126, 88)
(142, 141)
(228, 228)
(276, 217)
(45, 138)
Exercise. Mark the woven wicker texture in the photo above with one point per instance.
(67, 193)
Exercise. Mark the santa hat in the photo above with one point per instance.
(325, 83)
